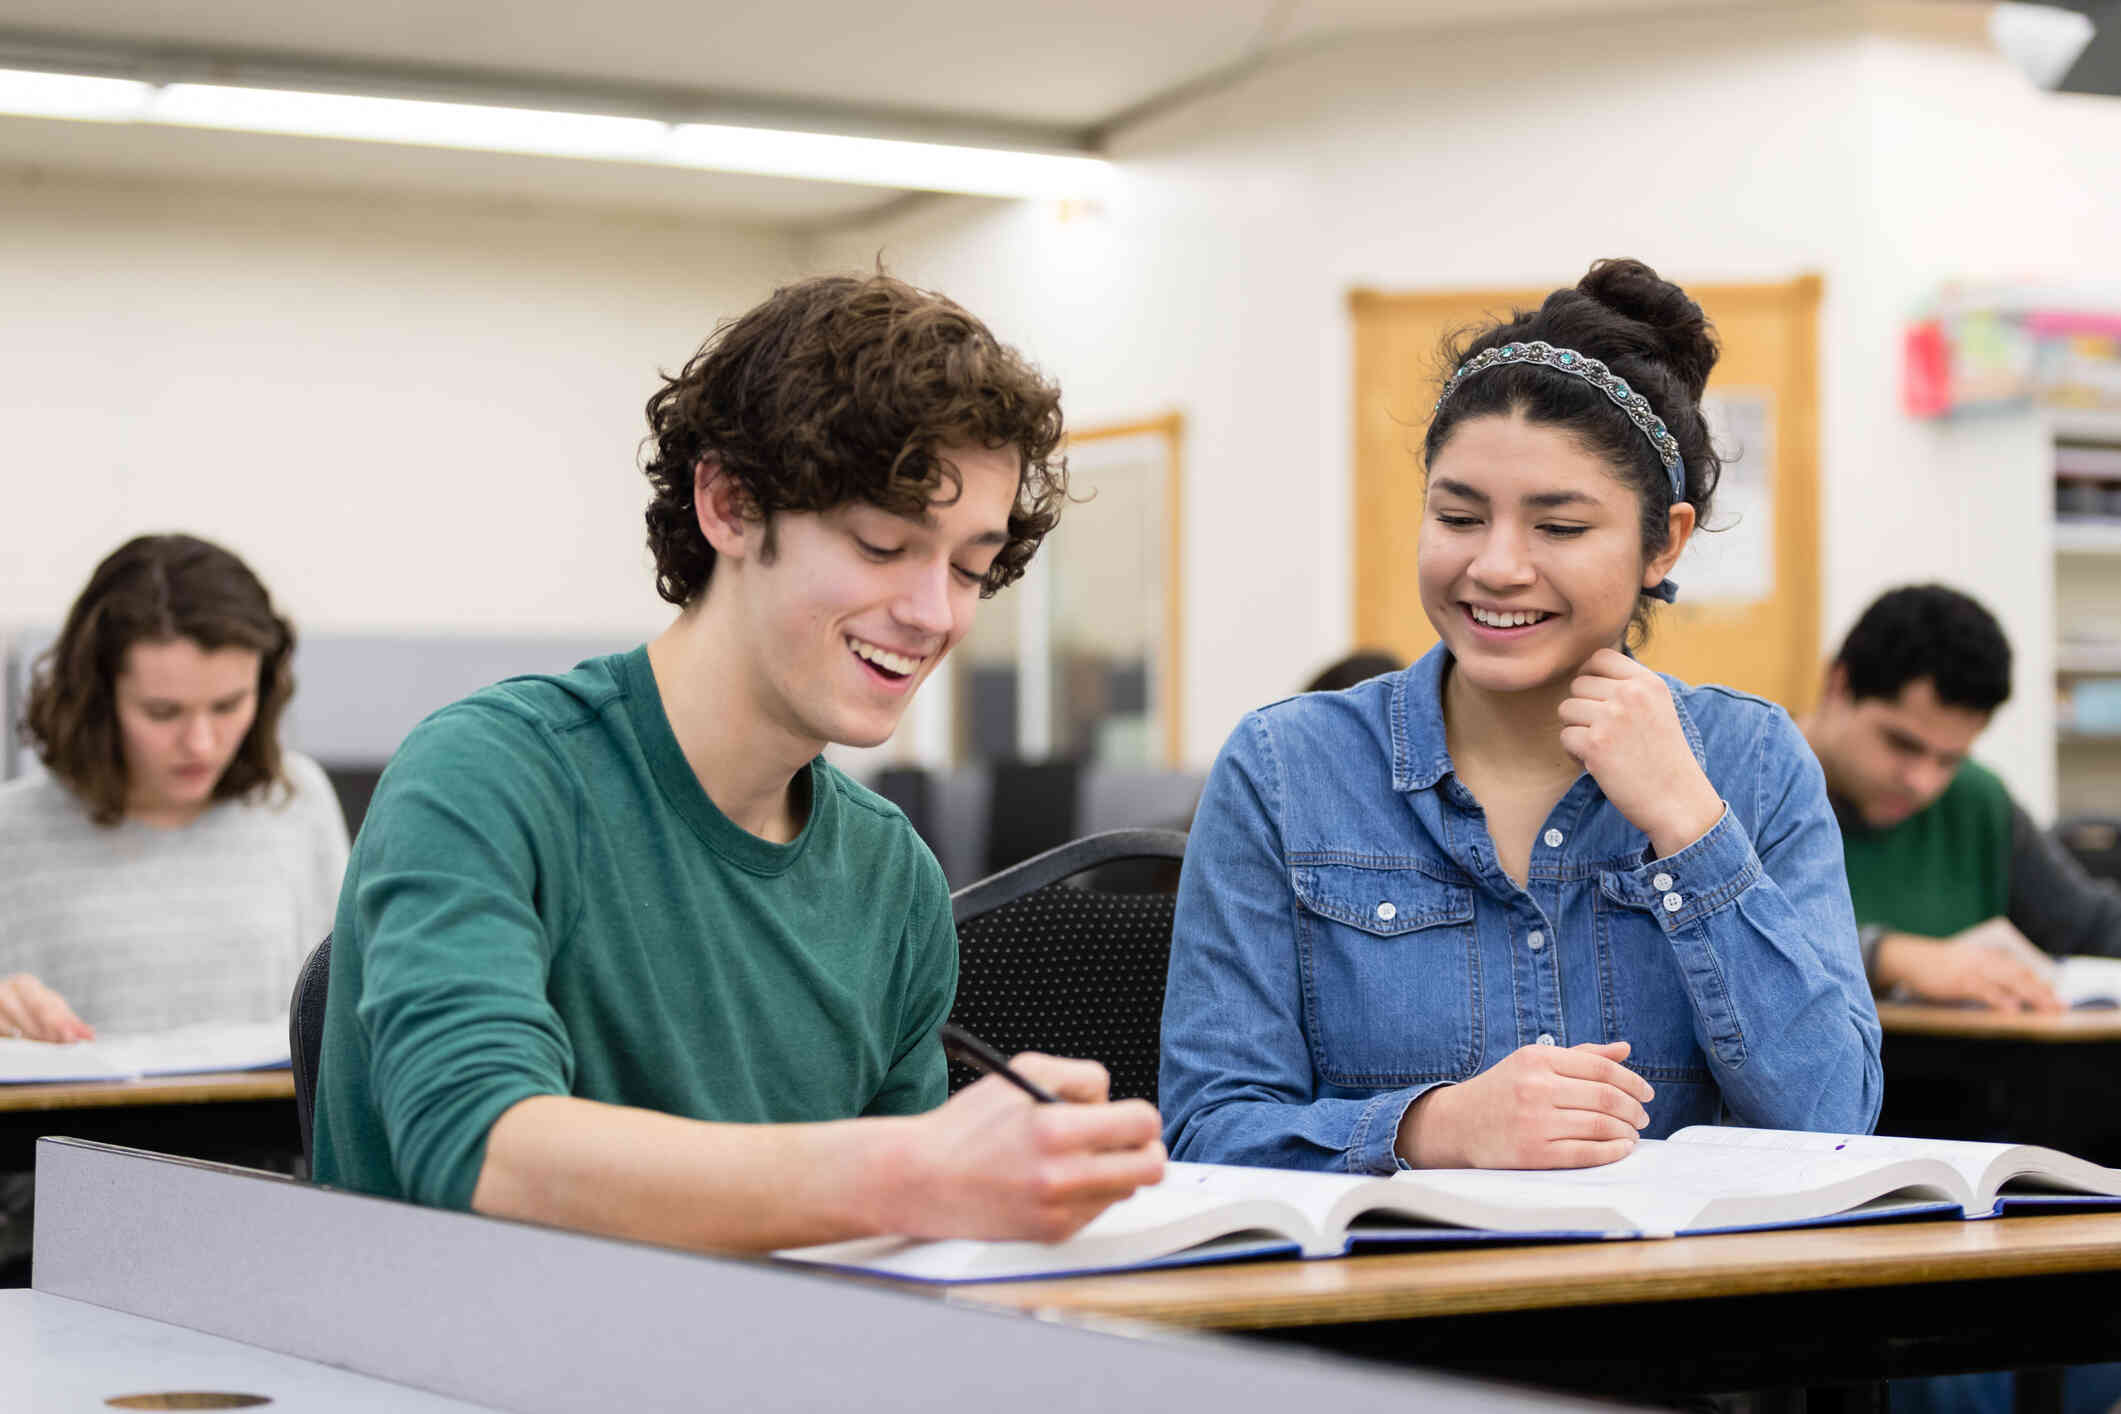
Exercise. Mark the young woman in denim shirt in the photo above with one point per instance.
(1526, 900)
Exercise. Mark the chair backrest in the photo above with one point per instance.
(1046, 964)
(305, 1035)
(2095, 842)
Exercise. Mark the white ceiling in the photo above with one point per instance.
(977, 68)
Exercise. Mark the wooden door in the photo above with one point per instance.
(1749, 617)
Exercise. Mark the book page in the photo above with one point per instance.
(1668, 1187)
(248, 1045)
(1315, 1195)
(1984, 1168)
(2089, 981)
(1166, 1218)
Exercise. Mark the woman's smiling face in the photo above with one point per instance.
(1531, 553)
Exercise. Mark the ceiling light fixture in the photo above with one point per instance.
(823, 157)
(2043, 41)
(38, 95)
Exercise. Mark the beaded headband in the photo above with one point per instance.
(1591, 371)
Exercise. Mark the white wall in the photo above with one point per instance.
(406, 414)
(1730, 147)
(1215, 278)
(422, 414)
(1976, 175)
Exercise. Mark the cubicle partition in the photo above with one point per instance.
(356, 695)
(518, 1317)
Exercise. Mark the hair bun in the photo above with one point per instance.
(1674, 321)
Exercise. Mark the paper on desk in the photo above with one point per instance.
(185, 1050)
(2089, 981)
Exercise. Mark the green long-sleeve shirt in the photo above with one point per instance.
(1972, 855)
(543, 901)
(1943, 869)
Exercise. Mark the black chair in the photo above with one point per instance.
(2095, 842)
(1047, 964)
(305, 1036)
(1031, 809)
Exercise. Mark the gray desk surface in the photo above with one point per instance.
(57, 1354)
(546, 1322)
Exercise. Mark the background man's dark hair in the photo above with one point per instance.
(1929, 631)
(843, 388)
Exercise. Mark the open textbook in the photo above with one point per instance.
(1703, 1179)
(247, 1045)
(2089, 981)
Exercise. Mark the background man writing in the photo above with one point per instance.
(1960, 896)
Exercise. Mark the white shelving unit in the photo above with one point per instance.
(2087, 642)
(2099, 426)
(2091, 537)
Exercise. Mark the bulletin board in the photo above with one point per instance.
(1749, 604)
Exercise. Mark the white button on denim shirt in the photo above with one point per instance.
(1345, 939)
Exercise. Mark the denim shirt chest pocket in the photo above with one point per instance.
(1391, 974)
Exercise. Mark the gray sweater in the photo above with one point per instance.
(142, 929)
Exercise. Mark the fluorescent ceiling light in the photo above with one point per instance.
(2041, 40)
(923, 166)
(34, 95)
(822, 157)
(467, 125)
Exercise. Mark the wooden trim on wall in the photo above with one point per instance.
(1770, 332)
(1172, 428)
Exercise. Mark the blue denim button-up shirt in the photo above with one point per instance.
(1346, 939)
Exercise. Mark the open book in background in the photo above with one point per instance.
(184, 1050)
(2079, 980)
(1703, 1179)
(2089, 981)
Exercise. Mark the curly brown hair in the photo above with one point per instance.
(154, 588)
(844, 388)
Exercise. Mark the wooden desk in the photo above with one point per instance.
(1412, 1285)
(1972, 1073)
(222, 1115)
(1815, 1306)
(1922, 1019)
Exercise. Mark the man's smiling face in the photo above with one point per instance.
(857, 605)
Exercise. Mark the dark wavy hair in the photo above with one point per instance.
(1929, 631)
(153, 589)
(844, 388)
(1644, 328)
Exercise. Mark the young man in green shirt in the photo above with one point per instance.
(1960, 896)
(618, 950)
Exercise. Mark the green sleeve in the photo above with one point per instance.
(469, 877)
(919, 1078)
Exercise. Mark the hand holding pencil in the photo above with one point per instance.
(1004, 1158)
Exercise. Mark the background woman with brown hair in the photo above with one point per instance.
(174, 865)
